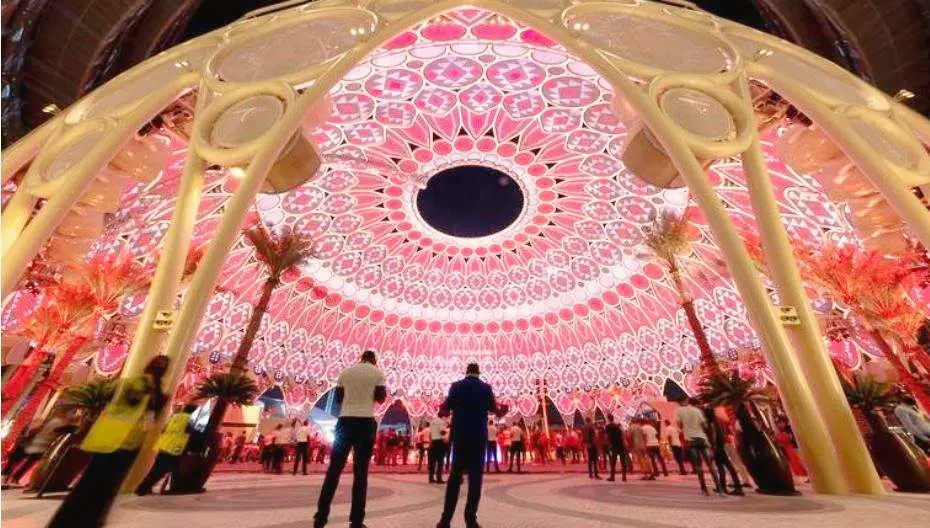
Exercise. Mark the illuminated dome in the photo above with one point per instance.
(561, 286)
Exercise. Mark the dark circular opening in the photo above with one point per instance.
(470, 201)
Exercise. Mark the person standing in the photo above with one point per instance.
(277, 452)
(590, 442)
(357, 390)
(617, 448)
(492, 448)
(237, 451)
(422, 445)
(170, 447)
(113, 441)
(469, 401)
(301, 451)
(638, 445)
(672, 435)
(559, 442)
(914, 421)
(652, 449)
(437, 449)
(505, 443)
(694, 427)
(516, 448)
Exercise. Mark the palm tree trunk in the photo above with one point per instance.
(709, 364)
(917, 389)
(43, 389)
(240, 363)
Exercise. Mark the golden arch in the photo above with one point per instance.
(830, 441)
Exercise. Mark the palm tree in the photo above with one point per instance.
(279, 253)
(91, 398)
(668, 239)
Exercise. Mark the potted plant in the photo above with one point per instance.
(765, 460)
(893, 451)
(203, 450)
(64, 461)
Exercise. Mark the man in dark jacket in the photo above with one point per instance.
(617, 448)
(469, 401)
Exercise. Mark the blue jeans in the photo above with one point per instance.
(356, 435)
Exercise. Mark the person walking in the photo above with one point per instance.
(721, 460)
(469, 401)
(113, 441)
(492, 448)
(301, 451)
(590, 442)
(170, 447)
(694, 426)
(672, 435)
(516, 448)
(437, 449)
(357, 390)
(652, 449)
(617, 448)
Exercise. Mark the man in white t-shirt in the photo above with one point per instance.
(672, 436)
(652, 449)
(358, 389)
(517, 449)
(301, 446)
(437, 449)
(694, 426)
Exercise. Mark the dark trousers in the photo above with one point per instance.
(492, 455)
(437, 454)
(592, 463)
(723, 463)
(301, 454)
(699, 451)
(236, 454)
(89, 501)
(516, 454)
(614, 455)
(657, 460)
(164, 463)
(421, 454)
(468, 457)
(357, 435)
(679, 453)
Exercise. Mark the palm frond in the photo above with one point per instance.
(91, 397)
(669, 237)
(236, 389)
(731, 390)
(868, 392)
(279, 252)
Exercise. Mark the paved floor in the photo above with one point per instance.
(510, 501)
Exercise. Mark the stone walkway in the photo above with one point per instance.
(510, 501)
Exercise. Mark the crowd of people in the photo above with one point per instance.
(468, 435)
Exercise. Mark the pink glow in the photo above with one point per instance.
(563, 293)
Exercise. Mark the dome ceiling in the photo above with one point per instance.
(565, 292)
